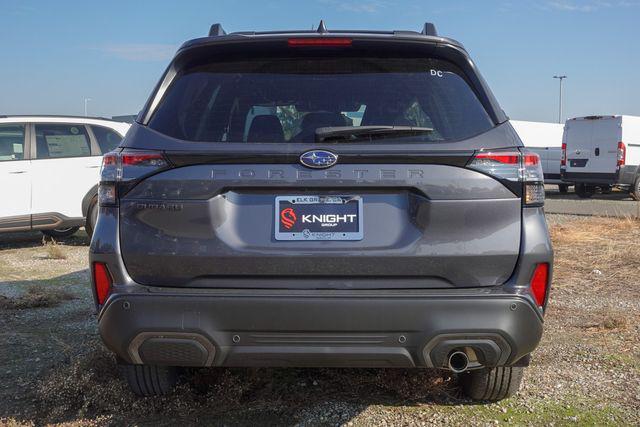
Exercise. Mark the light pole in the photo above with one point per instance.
(561, 78)
(86, 101)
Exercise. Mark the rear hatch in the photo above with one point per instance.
(592, 144)
(247, 194)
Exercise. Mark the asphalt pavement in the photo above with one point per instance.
(615, 204)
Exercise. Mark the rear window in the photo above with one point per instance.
(286, 100)
(107, 139)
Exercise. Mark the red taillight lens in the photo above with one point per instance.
(622, 154)
(505, 158)
(101, 281)
(563, 156)
(110, 159)
(319, 41)
(154, 160)
(539, 282)
(501, 164)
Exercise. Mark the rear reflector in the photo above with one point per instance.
(101, 281)
(319, 41)
(539, 283)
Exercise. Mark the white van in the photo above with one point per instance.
(602, 152)
(545, 139)
(50, 169)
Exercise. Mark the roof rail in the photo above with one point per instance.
(217, 30)
(429, 29)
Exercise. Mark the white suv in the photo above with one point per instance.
(49, 171)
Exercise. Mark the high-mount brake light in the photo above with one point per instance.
(514, 166)
(539, 283)
(123, 167)
(622, 154)
(320, 41)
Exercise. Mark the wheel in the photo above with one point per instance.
(492, 384)
(92, 217)
(584, 191)
(60, 233)
(563, 188)
(149, 380)
(634, 191)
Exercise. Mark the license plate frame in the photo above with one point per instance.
(344, 207)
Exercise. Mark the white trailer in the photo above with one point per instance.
(602, 152)
(545, 139)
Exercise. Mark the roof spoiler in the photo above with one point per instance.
(429, 29)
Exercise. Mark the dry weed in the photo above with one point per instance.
(35, 297)
(53, 249)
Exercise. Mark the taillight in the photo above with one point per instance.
(501, 164)
(125, 166)
(539, 283)
(622, 154)
(514, 166)
(563, 155)
(320, 41)
(101, 281)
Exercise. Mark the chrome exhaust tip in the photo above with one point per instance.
(458, 361)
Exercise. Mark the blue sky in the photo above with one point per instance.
(56, 53)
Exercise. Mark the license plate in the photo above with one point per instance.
(318, 218)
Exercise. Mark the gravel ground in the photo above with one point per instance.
(586, 371)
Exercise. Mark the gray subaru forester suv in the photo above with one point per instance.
(322, 199)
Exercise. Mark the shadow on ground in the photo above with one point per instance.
(90, 387)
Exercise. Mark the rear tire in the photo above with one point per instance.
(149, 380)
(563, 188)
(634, 191)
(492, 384)
(92, 217)
(61, 233)
(584, 191)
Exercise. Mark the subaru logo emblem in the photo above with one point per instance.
(318, 159)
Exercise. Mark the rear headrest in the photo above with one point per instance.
(312, 121)
(265, 128)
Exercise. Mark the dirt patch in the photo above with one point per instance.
(35, 297)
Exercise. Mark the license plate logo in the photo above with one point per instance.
(318, 218)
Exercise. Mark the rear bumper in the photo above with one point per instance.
(590, 178)
(318, 328)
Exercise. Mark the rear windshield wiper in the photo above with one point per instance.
(341, 133)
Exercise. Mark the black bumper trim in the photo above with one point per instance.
(320, 331)
(590, 178)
